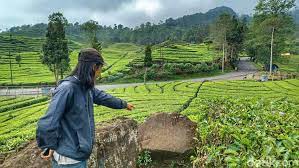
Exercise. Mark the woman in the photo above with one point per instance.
(66, 131)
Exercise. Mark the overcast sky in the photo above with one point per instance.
(107, 12)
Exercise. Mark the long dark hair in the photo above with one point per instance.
(87, 58)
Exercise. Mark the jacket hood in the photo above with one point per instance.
(71, 79)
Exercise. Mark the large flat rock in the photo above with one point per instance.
(168, 133)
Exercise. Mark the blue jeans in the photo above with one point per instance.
(82, 164)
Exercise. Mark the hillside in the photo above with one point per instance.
(30, 70)
(248, 115)
(124, 60)
(178, 29)
(117, 56)
(201, 89)
(200, 18)
(182, 53)
(288, 63)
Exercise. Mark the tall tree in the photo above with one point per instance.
(55, 50)
(235, 39)
(148, 62)
(19, 59)
(220, 31)
(91, 28)
(272, 27)
(148, 56)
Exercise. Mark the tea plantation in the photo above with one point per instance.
(238, 121)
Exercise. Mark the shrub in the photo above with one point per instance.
(114, 77)
(196, 68)
(167, 66)
(204, 67)
(151, 74)
(188, 68)
(155, 66)
(173, 46)
(144, 159)
(163, 75)
(119, 74)
(148, 61)
(215, 67)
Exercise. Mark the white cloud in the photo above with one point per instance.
(126, 12)
(150, 7)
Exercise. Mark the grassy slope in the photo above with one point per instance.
(286, 64)
(183, 53)
(177, 53)
(242, 121)
(30, 70)
(289, 64)
(118, 56)
(18, 126)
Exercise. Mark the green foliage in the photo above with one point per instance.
(19, 103)
(55, 50)
(228, 33)
(257, 110)
(91, 28)
(28, 49)
(169, 70)
(148, 56)
(242, 129)
(189, 68)
(196, 34)
(118, 57)
(19, 59)
(190, 28)
(171, 59)
(241, 121)
(203, 67)
(96, 45)
(112, 78)
(274, 7)
(181, 53)
(288, 64)
(221, 28)
(19, 125)
(144, 159)
(271, 16)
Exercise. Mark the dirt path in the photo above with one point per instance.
(245, 67)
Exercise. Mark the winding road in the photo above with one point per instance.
(245, 67)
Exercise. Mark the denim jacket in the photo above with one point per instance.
(68, 125)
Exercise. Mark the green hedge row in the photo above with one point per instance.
(38, 100)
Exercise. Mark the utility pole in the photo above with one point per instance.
(223, 58)
(9, 54)
(271, 58)
(223, 45)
